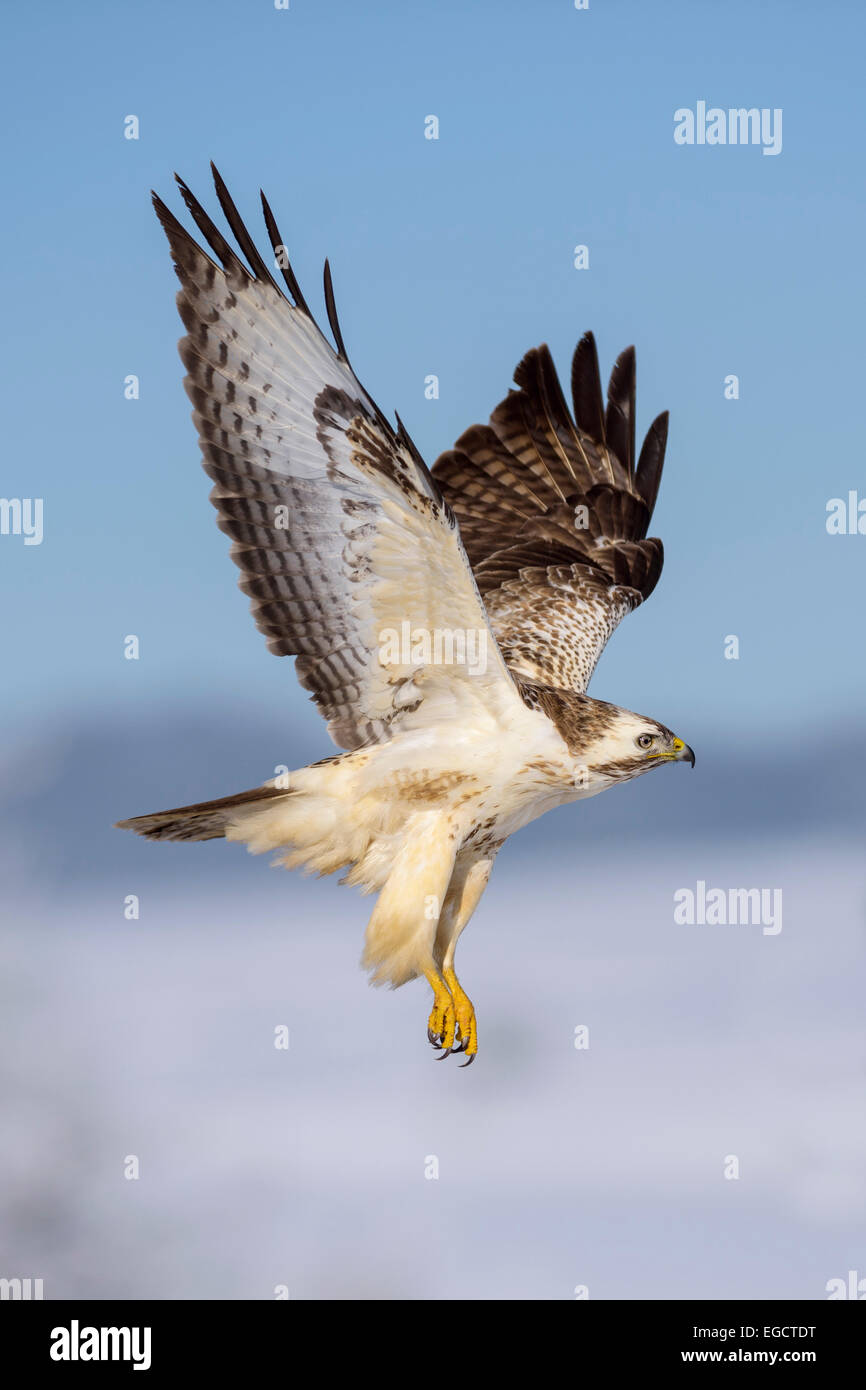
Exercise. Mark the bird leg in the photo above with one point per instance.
(452, 1025)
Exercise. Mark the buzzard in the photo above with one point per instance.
(447, 622)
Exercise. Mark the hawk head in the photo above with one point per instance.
(623, 745)
(608, 744)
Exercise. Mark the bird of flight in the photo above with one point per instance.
(446, 621)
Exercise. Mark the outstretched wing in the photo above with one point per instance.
(554, 514)
(351, 556)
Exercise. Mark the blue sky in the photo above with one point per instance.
(449, 257)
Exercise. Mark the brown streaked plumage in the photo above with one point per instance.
(529, 537)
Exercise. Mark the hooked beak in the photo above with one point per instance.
(682, 752)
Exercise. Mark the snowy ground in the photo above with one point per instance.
(557, 1167)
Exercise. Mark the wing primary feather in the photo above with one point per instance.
(384, 422)
(177, 234)
(210, 232)
(651, 461)
(281, 256)
(331, 306)
(586, 389)
(619, 420)
(235, 221)
(550, 391)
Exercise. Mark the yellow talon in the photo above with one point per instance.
(452, 1016)
(464, 1012)
(441, 1020)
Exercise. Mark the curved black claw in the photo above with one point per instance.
(461, 1046)
(443, 1055)
(434, 1039)
(469, 1061)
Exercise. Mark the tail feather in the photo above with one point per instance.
(208, 820)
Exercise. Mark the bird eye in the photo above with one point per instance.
(644, 740)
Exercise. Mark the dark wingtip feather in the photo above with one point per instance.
(651, 461)
(184, 248)
(526, 371)
(331, 307)
(242, 236)
(167, 218)
(619, 419)
(210, 231)
(551, 387)
(586, 389)
(279, 245)
(164, 213)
